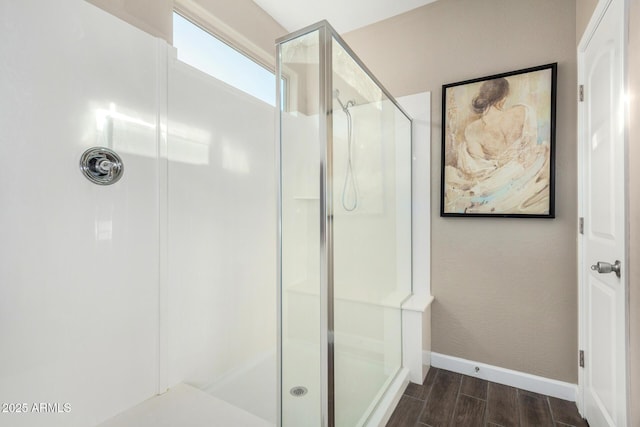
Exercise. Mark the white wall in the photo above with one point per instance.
(78, 262)
(221, 241)
(110, 294)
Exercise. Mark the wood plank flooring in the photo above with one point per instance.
(454, 400)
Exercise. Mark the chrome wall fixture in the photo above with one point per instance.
(101, 165)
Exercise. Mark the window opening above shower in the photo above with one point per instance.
(203, 50)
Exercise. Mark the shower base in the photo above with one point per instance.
(185, 406)
(354, 408)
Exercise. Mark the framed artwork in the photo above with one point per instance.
(498, 145)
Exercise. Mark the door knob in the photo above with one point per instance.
(605, 267)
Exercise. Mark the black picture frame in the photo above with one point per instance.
(498, 145)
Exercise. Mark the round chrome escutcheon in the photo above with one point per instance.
(101, 165)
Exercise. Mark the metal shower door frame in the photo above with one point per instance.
(326, 36)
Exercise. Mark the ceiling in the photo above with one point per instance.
(343, 15)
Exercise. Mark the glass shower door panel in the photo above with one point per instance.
(372, 229)
(300, 215)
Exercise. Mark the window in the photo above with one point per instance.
(207, 53)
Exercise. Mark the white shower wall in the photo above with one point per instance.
(110, 294)
(222, 231)
(78, 262)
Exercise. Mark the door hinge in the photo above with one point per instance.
(582, 358)
(581, 93)
(581, 225)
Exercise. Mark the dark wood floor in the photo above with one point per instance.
(450, 399)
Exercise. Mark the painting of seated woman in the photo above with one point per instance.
(498, 145)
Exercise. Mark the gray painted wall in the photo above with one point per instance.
(506, 289)
(151, 16)
(584, 10)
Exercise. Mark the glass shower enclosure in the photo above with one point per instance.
(344, 264)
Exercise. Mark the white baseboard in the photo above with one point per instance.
(522, 380)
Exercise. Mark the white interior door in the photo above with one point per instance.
(603, 292)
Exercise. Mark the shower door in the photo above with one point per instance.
(345, 244)
(371, 190)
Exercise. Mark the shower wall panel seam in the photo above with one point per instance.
(163, 210)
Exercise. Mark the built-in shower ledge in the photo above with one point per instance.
(185, 406)
(364, 295)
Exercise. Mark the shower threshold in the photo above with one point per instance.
(185, 406)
